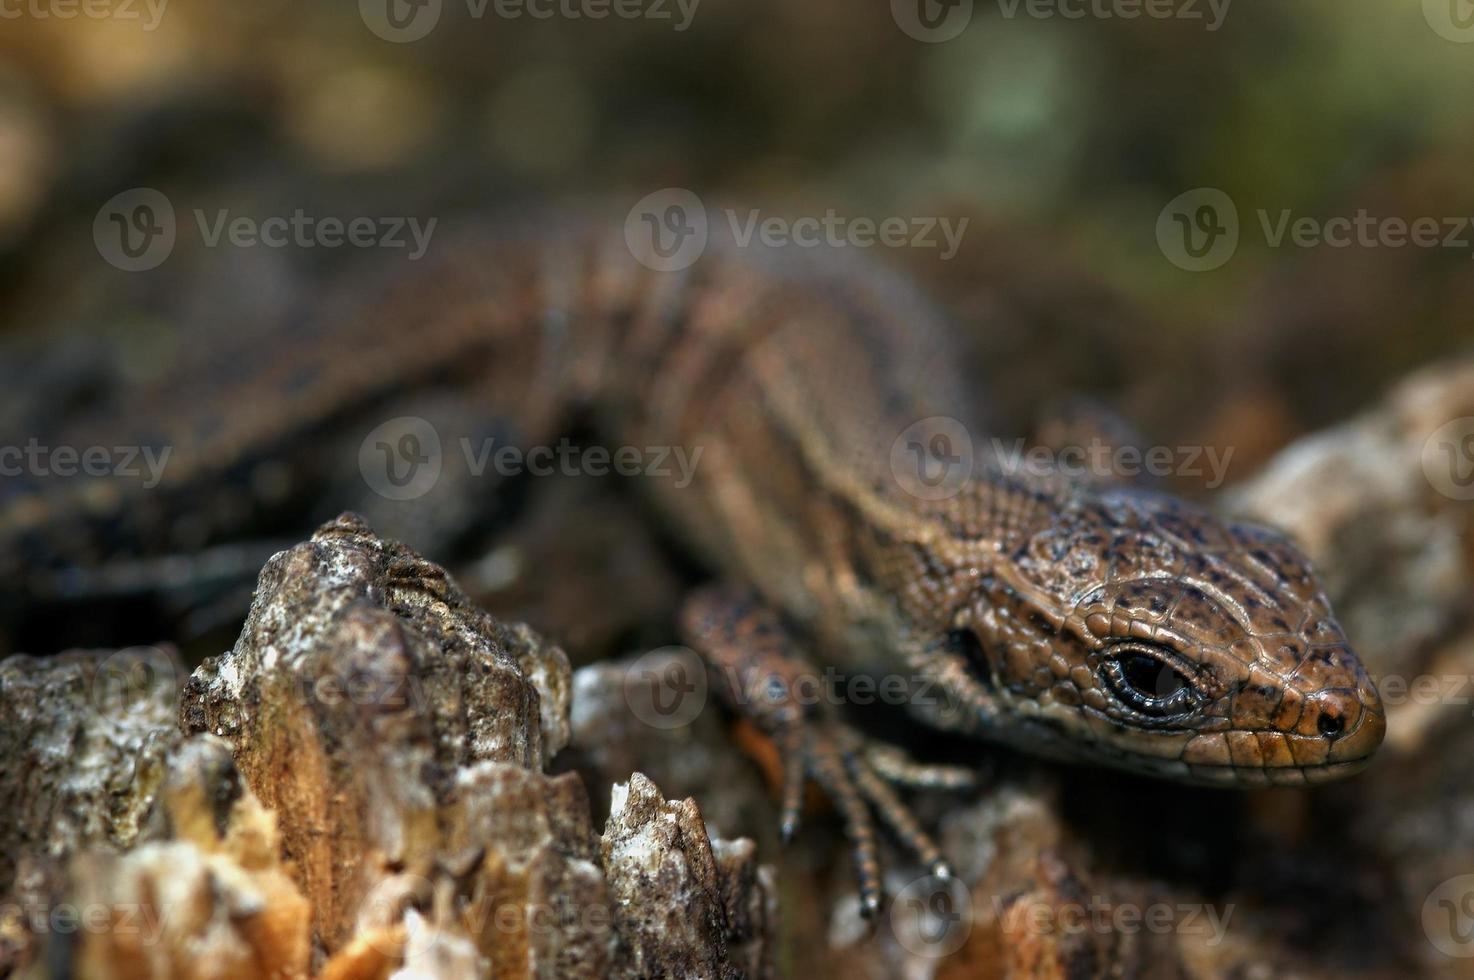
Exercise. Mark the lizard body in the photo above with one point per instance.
(1082, 620)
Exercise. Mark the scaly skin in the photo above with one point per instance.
(1082, 620)
(1038, 602)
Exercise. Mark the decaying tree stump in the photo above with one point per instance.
(357, 788)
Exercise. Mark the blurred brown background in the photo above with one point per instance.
(1061, 140)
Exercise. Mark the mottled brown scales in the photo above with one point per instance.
(1079, 619)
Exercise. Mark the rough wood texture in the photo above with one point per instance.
(76, 731)
(357, 790)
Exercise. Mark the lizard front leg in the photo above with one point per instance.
(762, 674)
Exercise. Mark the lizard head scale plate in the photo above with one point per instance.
(1136, 630)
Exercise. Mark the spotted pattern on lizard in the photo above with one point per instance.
(1082, 620)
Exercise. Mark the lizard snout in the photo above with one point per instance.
(1333, 731)
(1321, 723)
(1351, 722)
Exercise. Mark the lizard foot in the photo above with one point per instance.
(859, 775)
(763, 677)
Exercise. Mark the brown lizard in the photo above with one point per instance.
(843, 498)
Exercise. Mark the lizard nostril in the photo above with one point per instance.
(966, 644)
(1331, 726)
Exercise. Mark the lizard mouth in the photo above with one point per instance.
(1234, 776)
(1243, 758)
(1245, 777)
(1277, 758)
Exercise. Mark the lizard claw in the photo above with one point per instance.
(762, 672)
(838, 759)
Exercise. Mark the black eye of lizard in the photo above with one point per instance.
(1143, 679)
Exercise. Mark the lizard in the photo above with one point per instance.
(845, 504)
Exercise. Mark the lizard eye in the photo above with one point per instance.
(1144, 680)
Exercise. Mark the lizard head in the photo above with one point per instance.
(1144, 633)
